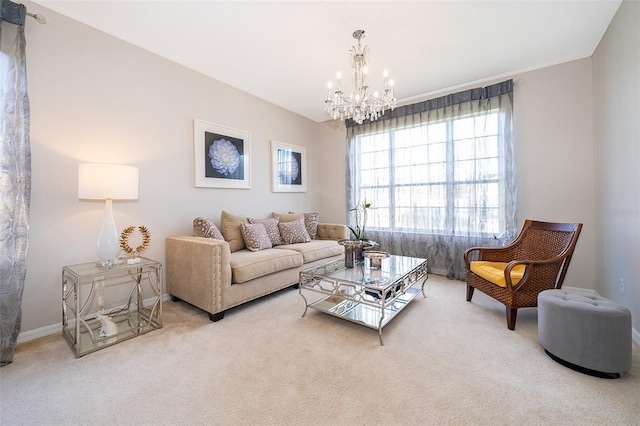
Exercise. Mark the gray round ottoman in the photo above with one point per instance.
(588, 333)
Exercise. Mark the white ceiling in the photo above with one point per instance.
(286, 51)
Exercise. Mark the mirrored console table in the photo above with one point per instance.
(129, 295)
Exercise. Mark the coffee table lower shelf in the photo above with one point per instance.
(370, 314)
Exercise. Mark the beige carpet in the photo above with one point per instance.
(445, 361)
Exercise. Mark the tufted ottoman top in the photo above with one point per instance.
(586, 302)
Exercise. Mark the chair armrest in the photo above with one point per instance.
(531, 266)
(332, 231)
(492, 254)
(468, 253)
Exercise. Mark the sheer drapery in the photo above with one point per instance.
(15, 184)
(439, 175)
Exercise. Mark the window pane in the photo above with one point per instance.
(374, 159)
(376, 142)
(374, 177)
(464, 171)
(411, 175)
(411, 155)
(415, 176)
(378, 215)
(487, 169)
(477, 195)
(437, 132)
(463, 128)
(464, 149)
(437, 152)
(408, 138)
(437, 173)
(487, 147)
(487, 125)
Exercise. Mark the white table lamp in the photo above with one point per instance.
(107, 182)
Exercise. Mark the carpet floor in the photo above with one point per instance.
(444, 361)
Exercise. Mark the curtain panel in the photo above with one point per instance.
(15, 184)
(439, 176)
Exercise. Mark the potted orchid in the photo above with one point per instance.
(353, 248)
(360, 211)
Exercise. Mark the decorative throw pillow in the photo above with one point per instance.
(293, 232)
(206, 228)
(255, 236)
(311, 223)
(271, 225)
(284, 217)
(230, 227)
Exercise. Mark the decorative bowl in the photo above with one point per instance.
(375, 257)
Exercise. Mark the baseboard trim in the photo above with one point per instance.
(580, 290)
(48, 330)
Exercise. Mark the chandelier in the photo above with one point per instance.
(361, 104)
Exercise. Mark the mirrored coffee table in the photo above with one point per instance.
(368, 296)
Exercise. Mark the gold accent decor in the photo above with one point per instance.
(126, 234)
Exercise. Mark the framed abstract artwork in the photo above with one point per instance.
(222, 156)
(289, 167)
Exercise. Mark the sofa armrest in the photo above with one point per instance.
(332, 231)
(198, 270)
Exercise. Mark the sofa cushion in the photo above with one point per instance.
(315, 250)
(311, 223)
(206, 228)
(293, 232)
(271, 225)
(290, 217)
(255, 236)
(230, 227)
(247, 265)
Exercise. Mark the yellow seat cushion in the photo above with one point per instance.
(494, 272)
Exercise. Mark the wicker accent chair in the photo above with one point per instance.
(536, 260)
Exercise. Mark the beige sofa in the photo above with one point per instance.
(207, 274)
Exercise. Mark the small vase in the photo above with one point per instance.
(349, 256)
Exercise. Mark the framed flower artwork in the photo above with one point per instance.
(222, 156)
(289, 167)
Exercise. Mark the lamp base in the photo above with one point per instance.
(108, 263)
(108, 246)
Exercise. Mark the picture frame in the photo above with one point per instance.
(222, 156)
(289, 167)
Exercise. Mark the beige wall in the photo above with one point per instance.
(616, 87)
(553, 110)
(95, 98)
(553, 136)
